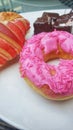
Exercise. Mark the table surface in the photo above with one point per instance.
(34, 5)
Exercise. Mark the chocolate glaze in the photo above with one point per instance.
(50, 21)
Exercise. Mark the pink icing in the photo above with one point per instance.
(34, 67)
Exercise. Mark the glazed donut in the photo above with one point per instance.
(52, 81)
(13, 28)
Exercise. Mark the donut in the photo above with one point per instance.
(13, 28)
(54, 82)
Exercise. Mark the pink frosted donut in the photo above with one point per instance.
(52, 81)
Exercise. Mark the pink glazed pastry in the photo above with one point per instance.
(52, 81)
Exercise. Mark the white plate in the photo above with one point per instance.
(23, 107)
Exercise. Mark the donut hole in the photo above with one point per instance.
(54, 58)
(54, 62)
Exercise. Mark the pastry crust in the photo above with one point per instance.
(13, 28)
(9, 16)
